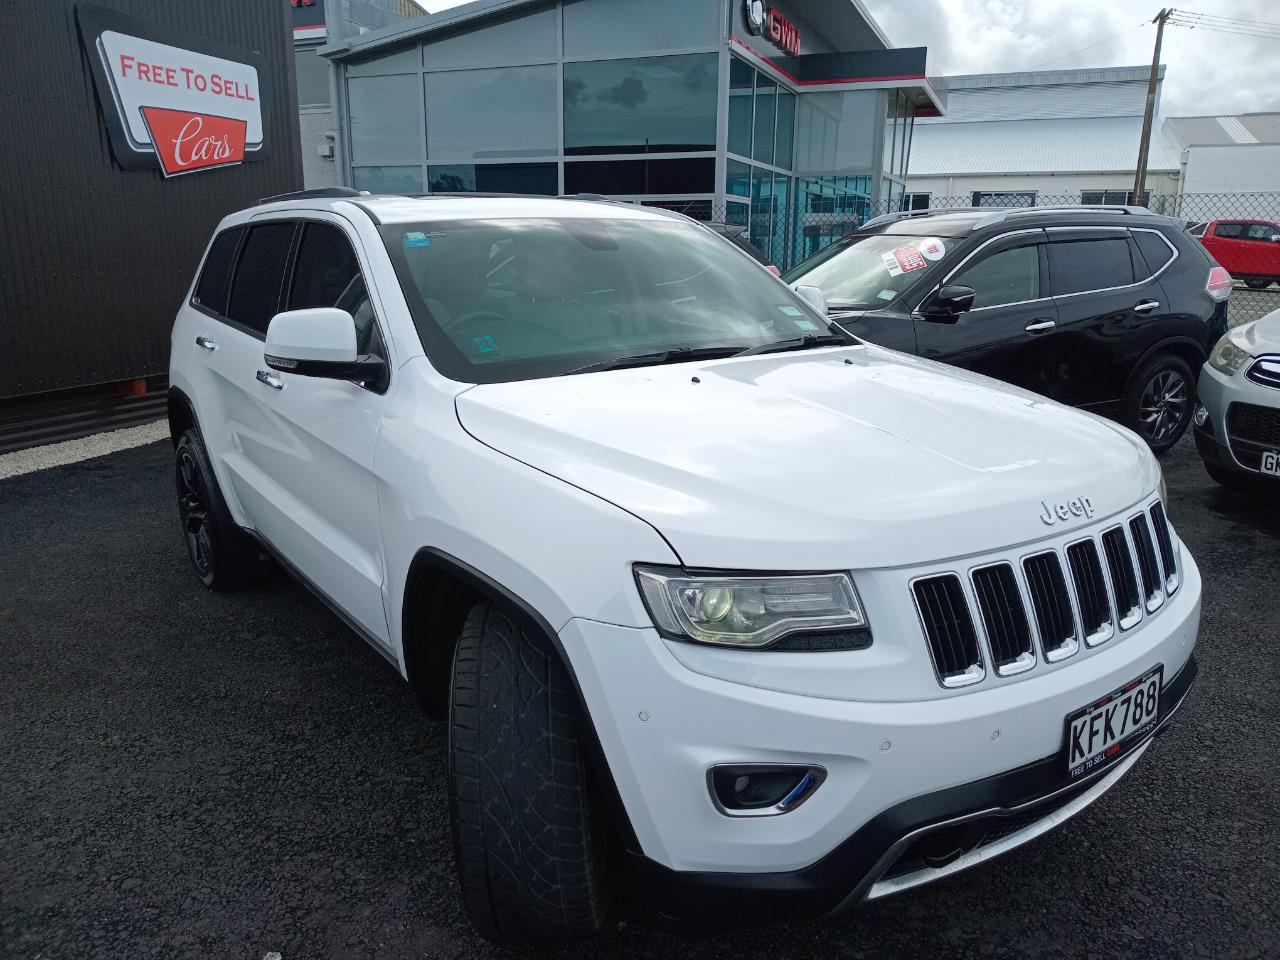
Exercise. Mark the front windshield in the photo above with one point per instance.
(871, 271)
(513, 299)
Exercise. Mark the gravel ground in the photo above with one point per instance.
(185, 774)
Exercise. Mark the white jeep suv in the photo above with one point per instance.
(790, 620)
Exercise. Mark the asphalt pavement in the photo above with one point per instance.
(185, 774)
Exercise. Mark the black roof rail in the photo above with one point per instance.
(330, 192)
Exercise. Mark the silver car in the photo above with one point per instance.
(1237, 418)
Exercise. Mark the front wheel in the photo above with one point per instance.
(529, 844)
(1159, 400)
(223, 556)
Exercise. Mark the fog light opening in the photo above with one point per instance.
(762, 789)
(1201, 415)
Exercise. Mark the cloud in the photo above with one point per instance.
(628, 92)
(1206, 72)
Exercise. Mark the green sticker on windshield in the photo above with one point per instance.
(789, 310)
(886, 294)
(806, 325)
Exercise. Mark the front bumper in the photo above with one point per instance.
(893, 768)
(1216, 392)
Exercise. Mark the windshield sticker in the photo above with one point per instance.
(909, 258)
(931, 248)
(891, 263)
(790, 311)
(886, 294)
(485, 344)
(416, 238)
(806, 325)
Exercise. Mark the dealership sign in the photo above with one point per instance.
(183, 104)
(771, 24)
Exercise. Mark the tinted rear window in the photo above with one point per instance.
(1155, 251)
(1076, 266)
(215, 276)
(1228, 230)
(255, 291)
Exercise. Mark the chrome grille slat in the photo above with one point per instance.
(949, 629)
(1124, 579)
(1148, 564)
(1004, 618)
(1164, 540)
(1091, 592)
(1055, 619)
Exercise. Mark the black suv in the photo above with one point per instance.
(1113, 309)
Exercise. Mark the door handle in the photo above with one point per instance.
(274, 382)
(1040, 326)
(1146, 306)
(206, 343)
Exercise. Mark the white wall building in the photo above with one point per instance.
(1048, 136)
(1238, 155)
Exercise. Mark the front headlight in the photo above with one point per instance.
(742, 611)
(1228, 358)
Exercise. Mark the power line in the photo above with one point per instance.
(1254, 34)
(1090, 46)
(1230, 26)
(1214, 16)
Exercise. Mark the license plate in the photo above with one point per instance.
(1271, 462)
(1095, 733)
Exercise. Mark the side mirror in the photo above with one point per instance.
(813, 296)
(948, 303)
(319, 342)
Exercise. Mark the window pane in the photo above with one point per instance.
(644, 105)
(215, 277)
(326, 269)
(735, 213)
(835, 132)
(741, 79)
(737, 179)
(1010, 276)
(485, 114)
(1228, 230)
(595, 28)
(312, 73)
(521, 39)
(1154, 250)
(621, 177)
(540, 178)
(1079, 265)
(786, 129)
(766, 110)
(255, 292)
(388, 179)
(385, 119)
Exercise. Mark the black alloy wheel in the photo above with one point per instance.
(193, 508)
(1164, 408)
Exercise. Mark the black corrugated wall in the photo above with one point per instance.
(94, 259)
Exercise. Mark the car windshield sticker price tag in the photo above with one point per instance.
(931, 248)
(903, 260)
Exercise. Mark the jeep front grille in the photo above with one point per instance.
(1004, 618)
(1055, 620)
(1148, 565)
(1078, 597)
(1091, 592)
(948, 628)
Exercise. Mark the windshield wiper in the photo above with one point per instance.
(799, 343)
(674, 355)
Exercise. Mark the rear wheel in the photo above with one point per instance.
(223, 555)
(529, 843)
(1159, 400)
(1257, 283)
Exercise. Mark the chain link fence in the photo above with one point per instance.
(1237, 228)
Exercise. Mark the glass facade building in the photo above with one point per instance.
(673, 102)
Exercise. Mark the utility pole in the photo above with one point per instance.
(1144, 146)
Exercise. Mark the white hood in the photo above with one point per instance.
(1261, 336)
(826, 459)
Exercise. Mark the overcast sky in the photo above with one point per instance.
(1207, 72)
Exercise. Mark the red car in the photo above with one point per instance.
(1249, 249)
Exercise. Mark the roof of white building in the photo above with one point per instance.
(1047, 121)
(1213, 131)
